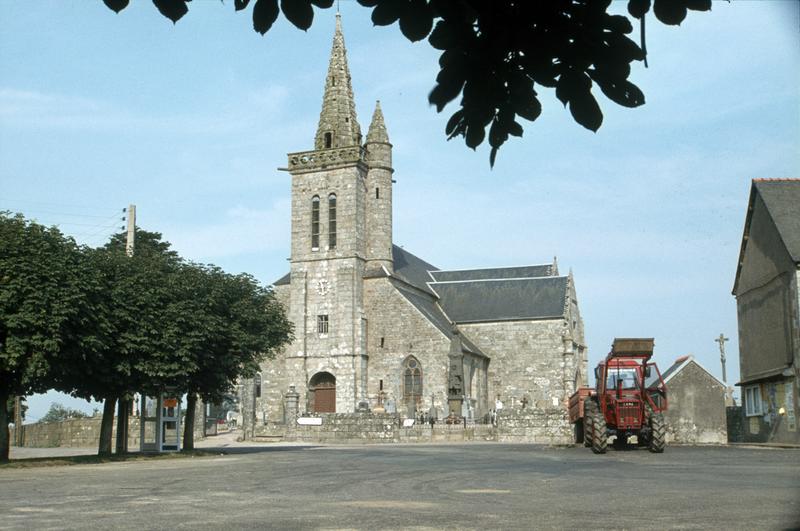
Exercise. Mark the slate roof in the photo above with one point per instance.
(412, 269)
(494, 273)
(503, 300)
(782, 198)
(475, 295)
(285, 280)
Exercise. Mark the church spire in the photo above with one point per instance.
(338, 125)
(377, 128)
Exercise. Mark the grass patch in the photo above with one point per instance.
(36, 462)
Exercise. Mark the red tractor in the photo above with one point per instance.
(628, 402)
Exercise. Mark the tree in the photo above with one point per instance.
(226, 325)
(42, 302)
(495, 54)
(23, 408)
(58, 413)
(123, 348)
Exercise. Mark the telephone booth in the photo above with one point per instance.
(160, 423)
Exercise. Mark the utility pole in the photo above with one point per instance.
(721, 340)
(130, 240)
(124, 406)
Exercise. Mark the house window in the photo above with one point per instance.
(315, 223)
(332, 221)
(412, 382)
(328, 140)
(752, 401)
(322, 324)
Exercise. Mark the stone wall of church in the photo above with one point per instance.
(396, 330)
(528, 362)
(274, 382)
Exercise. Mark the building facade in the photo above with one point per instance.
(376, 327)
(766, 291)
(696, 412)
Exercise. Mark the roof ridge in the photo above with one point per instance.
(493, 279)
(683, 361)
(491, 267)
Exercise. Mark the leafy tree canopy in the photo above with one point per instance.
(57, 413)
(42, 301)
(498, 54)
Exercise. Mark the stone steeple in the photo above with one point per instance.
(338, 125)
(379, 193)
(377, 128)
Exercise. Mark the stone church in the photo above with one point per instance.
(377, 326)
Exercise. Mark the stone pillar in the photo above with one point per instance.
(455, 379)
(291, 401)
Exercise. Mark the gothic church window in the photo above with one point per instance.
(412, 382)
(257, 385)
(328, 140)
(315, 223)
(322, 324)
(332, 221)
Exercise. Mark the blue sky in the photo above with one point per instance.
(190, 122)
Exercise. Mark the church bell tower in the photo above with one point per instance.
(341, 227)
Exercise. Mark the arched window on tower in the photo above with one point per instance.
(332, 221)
(328, 140)
(315, 223)
(412, 383)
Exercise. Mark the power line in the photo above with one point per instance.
(103, 208)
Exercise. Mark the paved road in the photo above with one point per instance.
(474, 486)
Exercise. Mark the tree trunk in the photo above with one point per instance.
(188, 422)
(106, 426)
(122, 425)
(5, 439)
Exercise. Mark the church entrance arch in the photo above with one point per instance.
(323, 393)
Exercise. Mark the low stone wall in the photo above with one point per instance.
(345, 428)
(540, 426)
(543, 426)
(684, 431)
(77, 433)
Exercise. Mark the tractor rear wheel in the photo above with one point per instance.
(599, 431)
(658, 433)
(588, 408)
(587, 430)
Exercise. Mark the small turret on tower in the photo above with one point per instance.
(338, 125)
(379, 190)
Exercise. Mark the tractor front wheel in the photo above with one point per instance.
(658, 433)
